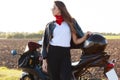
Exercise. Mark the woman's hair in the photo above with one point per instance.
(65, 14)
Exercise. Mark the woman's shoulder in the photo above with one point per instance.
(49, 24)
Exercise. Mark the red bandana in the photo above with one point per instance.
(59, 19)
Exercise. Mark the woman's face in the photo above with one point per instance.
(55, 10)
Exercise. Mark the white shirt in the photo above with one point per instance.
(61, 35)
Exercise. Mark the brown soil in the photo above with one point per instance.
(6, 45)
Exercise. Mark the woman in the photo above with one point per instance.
(60, 35)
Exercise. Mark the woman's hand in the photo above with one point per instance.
(44, 65)
(77, 40)
(88, 33)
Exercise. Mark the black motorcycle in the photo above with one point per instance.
(93, 65)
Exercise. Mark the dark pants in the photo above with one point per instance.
(59, 63)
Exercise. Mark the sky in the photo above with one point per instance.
(33, 15)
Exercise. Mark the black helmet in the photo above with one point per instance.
(96, 43)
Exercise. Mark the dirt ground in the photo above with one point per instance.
(10, 61)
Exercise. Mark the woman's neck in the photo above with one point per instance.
(59, 19)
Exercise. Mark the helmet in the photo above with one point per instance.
(31, 46)
(96, 43)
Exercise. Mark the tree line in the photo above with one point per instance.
(112, 34)
(39, 34)
(21, 35)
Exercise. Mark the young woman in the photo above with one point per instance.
(60, 35)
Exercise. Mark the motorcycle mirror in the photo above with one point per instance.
(13, 52)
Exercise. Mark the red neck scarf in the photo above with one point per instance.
(59, 19)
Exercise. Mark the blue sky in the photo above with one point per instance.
(33, 15)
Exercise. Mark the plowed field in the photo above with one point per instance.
(6, 45)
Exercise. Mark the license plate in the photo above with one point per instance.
(112, 75)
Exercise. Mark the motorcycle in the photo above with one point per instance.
(30, 61)
(93, 60)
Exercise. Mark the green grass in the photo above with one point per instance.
(9, 74)
(112, 37)
(13, 74)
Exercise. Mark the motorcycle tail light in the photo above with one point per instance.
(110, 66)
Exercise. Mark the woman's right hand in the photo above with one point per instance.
(88, 33)
(44, 65)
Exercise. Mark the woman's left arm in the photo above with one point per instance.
(77, 40)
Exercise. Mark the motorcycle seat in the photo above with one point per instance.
(85, 60)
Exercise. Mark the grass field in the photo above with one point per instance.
(9, 74)
(12, 74)
(112, 37)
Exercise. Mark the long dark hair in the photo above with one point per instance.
(65, 14)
